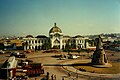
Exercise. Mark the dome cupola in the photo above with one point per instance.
(55, 29)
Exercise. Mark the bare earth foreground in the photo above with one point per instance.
(55, 66)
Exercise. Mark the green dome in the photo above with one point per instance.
(55, 29)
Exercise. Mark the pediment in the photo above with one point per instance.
(56, 41)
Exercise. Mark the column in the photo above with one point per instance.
(52, 43)
(25, 47)
(60, 43)
(31, 41)
(34, 42)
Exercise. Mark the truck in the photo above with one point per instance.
(32, 69)
(35, 69)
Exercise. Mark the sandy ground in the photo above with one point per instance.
(45, 58)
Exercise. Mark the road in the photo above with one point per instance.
(52, 66)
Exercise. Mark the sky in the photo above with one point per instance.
(73, 17)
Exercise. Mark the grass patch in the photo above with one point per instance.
(110, 70)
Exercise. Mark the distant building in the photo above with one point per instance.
(11, 44)
(56, 40)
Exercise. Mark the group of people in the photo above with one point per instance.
(53, 76)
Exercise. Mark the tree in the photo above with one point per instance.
(46, 46)
(91, 42)
(1, 46)
(73, 44)
(79, 49)
(68, 46)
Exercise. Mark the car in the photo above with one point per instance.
(2, 52)
(73, 56)
(62, 58)
(18, 55)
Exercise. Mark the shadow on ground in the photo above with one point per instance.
(80, 64)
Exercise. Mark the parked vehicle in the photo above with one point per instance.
(8, 69)
(22, 78)
(35, 69)
(70, 56)
(2, 52)
(18, 54)
(32, 69)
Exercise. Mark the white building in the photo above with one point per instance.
(35, 43)
(56, 39)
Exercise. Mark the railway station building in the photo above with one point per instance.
(56, 39)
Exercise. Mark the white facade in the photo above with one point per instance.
(34, 43)
(57, 40)
(56, 37)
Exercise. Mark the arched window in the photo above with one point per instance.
(35, 41)
(39, 41)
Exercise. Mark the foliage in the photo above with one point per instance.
(91, 42)
(1, 46)
(55, 47)
(46, 46)
(68, 46)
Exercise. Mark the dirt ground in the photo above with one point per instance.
(113, 59)
(46, 58)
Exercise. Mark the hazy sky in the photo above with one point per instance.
(36, 17)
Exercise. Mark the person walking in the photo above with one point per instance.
(69, 74)
(77, 75)
(52, 76)
(62, 78)
(47, 76)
